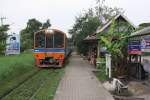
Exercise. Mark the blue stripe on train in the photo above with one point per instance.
(48, 50)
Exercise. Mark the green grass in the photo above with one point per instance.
(9, 85)
(26, 90)
(18, 80)
(48, 89)
(40, 87)
(14, 70)
(12, 66)
(101, 74)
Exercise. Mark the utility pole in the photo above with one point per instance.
(2, 18)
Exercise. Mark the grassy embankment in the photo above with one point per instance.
(20, 69)
(42, 86)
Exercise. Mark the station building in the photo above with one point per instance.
(123, 24)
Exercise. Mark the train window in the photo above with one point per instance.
(58, 40)
(49, 41)
(40, 40)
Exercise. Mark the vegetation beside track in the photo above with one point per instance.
(48, 89)
(8, 85)
(15, 65)
(21, 80)
(42, 85)
(14, 70)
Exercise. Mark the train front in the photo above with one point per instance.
(49, 48)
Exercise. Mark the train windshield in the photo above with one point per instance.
(40, 40)
(52, 40)
(49, 41)
(58, 40)
(55, 40)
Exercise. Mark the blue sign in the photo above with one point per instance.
(134, 47)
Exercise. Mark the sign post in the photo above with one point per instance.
(108, 64)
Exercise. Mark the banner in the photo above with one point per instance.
(13, 44)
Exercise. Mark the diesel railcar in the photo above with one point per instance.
(51, 47)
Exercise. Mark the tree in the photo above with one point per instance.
(46, 24)
(107, 12)
(116, 44)
(3, 37)
(27, 34)
(85, 25)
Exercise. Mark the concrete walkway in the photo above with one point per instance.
(79, 83)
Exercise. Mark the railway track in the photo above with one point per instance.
(26, 79)
(39, 83)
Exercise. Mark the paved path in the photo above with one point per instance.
(79, 83)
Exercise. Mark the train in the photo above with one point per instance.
(51, 48)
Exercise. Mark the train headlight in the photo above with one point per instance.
(49, 31)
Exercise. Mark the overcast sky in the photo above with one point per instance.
(62, 12)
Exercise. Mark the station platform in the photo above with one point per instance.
(80, 83)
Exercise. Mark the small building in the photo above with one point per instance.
(92, 43)
(140, 52)
(123, 24)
